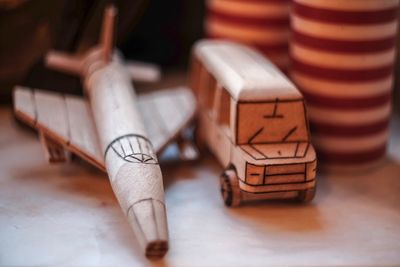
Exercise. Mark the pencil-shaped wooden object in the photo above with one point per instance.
(131, 163)
(129, 157)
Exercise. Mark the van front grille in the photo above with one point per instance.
(275, 174)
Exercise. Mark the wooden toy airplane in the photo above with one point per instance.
(114, 129)
(254, 120)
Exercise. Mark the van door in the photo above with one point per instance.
(222, 109)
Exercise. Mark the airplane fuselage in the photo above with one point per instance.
(131, 162)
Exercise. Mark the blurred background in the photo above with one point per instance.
(160, 32)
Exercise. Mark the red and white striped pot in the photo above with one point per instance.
(342, 58)
(263, 24)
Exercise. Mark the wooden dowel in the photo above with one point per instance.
(107, 35)
(64, 62)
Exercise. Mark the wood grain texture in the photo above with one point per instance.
(117, 140)
(166, 113)
(65, 119)
(244, 72)
(66, 122)
(82, 136)
(254, 121)
(71, 212)
(129, 156)
(54, 152)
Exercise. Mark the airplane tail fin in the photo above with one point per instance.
(107, 32)
(73, 64)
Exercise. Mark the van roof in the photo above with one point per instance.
(245, 73)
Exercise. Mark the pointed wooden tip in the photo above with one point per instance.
(111, 11)
(149, 222)
(156, 249)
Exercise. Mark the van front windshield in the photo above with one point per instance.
(280, 121)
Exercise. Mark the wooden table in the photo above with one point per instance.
(56, 215)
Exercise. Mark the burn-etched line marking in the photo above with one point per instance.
(145, 155)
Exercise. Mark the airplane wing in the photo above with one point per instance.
(65, 121)
(143, 72)
(166, 113)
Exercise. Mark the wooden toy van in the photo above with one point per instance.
(253, 119)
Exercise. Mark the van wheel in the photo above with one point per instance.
(230, 190)
(307, 195)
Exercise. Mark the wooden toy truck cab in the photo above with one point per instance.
(253, 119)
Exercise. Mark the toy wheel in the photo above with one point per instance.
(230, 190)
(307, 195)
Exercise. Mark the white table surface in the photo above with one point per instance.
(67, 215)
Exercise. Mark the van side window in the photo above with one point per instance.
(206, 89)
(210, 91)
(202, 86)
(195, 74)
(224, 110)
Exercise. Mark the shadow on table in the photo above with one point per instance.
(286, 216)
(78, 180)
(376, 187)
(84, 187)
(379, 185)
(282, 215)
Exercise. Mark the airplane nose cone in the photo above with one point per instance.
(157, 249)
(147, 218)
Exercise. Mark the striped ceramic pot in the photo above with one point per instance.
(342, 58)
(263, 24)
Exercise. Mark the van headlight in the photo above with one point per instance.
(311, 170)
(254, 174)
